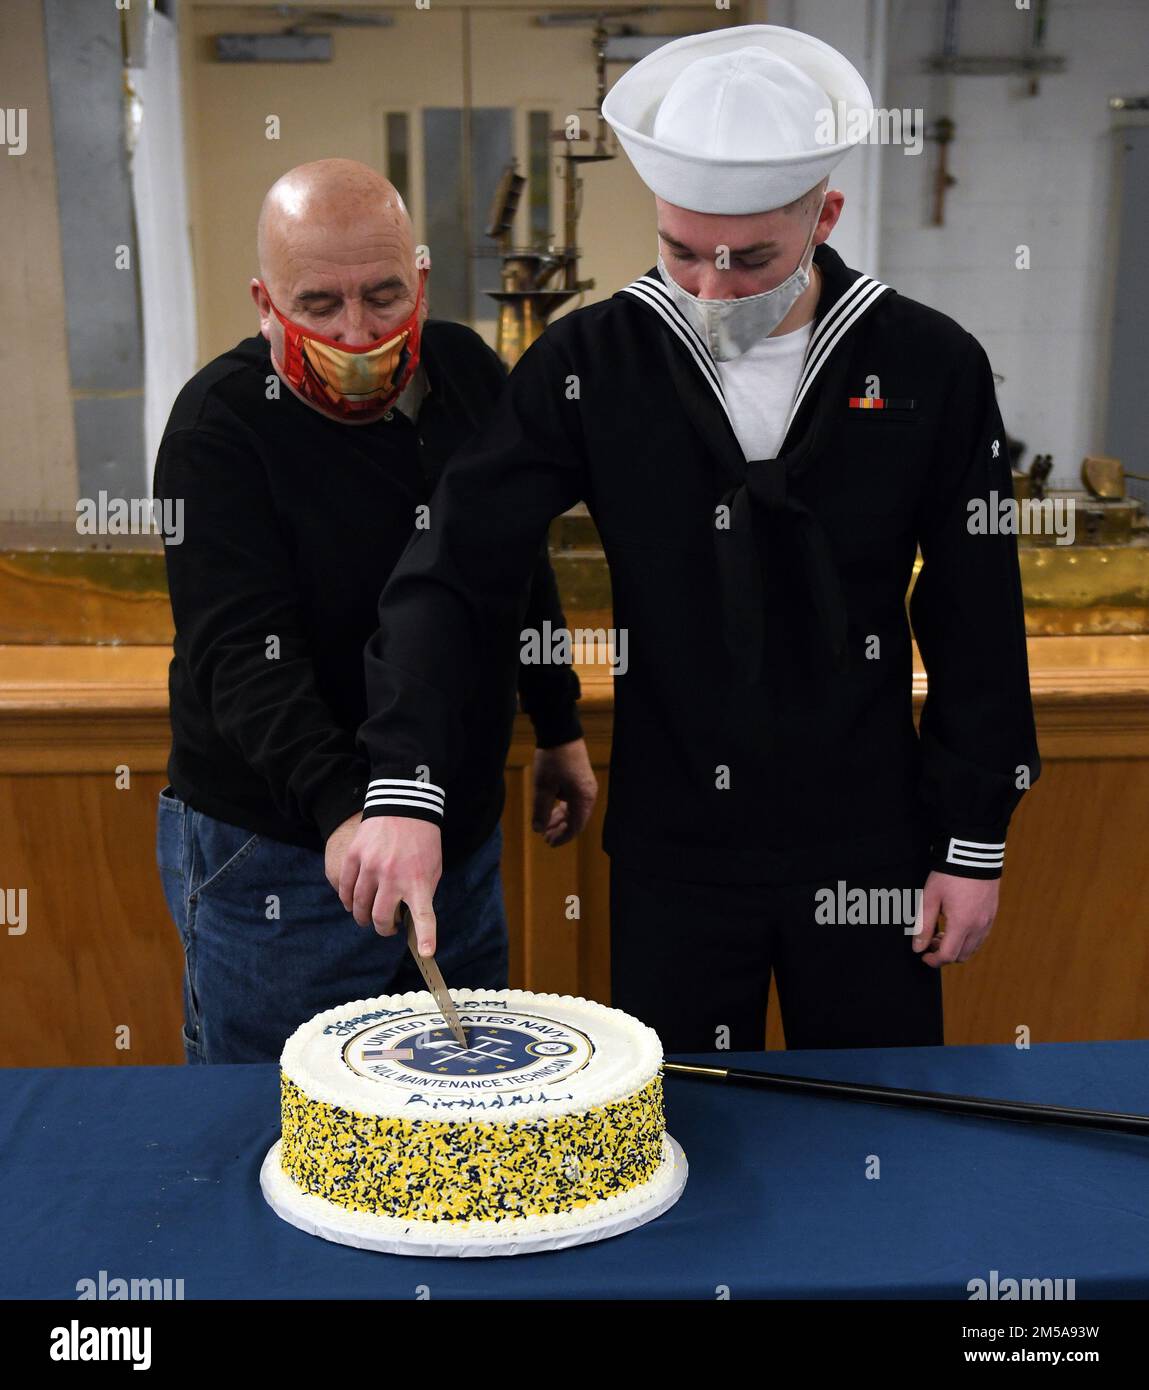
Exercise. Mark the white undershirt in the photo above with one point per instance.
(759, 385)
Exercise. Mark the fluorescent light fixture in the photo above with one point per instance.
(273, 48)
(629, 48)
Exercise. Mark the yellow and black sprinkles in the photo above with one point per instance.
(434, 1170)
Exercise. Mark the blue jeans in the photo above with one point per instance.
(267, 944)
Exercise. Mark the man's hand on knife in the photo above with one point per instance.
(391, 859)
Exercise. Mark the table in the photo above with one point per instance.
(152, 1172)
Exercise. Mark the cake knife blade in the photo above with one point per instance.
(434, 977)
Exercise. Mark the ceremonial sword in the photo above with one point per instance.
(982, 1106)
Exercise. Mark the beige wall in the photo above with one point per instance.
(448, 55)
(37, 443)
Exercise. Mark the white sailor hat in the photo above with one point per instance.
(739, 120)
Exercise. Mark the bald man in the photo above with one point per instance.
(306, 458)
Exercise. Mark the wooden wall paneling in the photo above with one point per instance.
(1068, 956)
(594, 890)
(548, 961)
(100, 949)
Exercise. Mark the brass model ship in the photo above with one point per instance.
(1092, 578)
(1095, 579)
(538, 280)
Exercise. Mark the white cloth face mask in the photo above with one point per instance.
(730, 327)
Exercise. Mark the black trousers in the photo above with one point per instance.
(693, 961)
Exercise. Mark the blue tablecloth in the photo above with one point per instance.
(153, 1172)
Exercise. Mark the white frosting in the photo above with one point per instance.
(533, 1055)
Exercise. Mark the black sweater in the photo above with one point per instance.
(740, 753)
(292, 525)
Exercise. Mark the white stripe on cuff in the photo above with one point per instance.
(403, 791)
(407, 784)
(978, 854)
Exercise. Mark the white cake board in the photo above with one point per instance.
(397, 1237)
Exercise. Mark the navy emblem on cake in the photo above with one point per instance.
(504, 1051)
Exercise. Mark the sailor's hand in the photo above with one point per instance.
(968, 906)
(565, 791)
(393, 859)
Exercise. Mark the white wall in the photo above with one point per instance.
(856, 30)
(1030, 170)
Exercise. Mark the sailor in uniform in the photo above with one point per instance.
(764, 438)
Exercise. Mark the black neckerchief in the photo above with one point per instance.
(846, 297)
